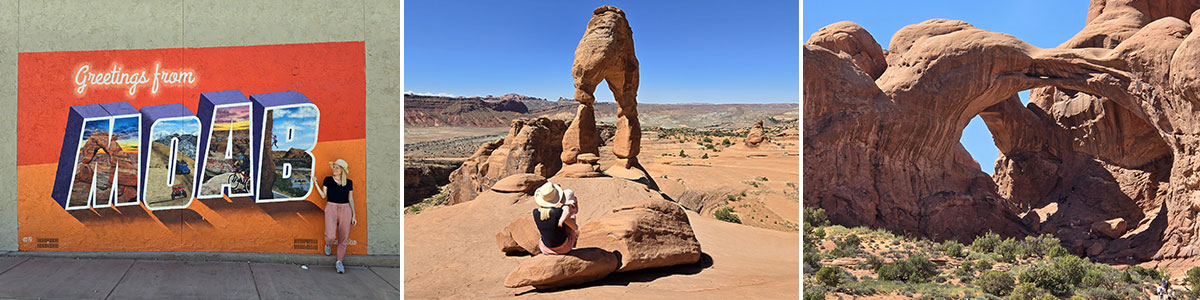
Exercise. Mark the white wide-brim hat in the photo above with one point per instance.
(341, 163)
(548, 195)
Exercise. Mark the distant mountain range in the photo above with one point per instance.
(187, 143)
(492, 111)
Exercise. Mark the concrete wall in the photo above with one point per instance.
(38, 26)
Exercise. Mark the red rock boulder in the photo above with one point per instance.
(551, 271)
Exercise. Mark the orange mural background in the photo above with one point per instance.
(331, 75)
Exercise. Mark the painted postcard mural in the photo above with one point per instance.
(136, 150)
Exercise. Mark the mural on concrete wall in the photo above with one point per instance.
(170, 160)
(218, 154)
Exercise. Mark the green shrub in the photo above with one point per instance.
(726, 214)
(1193, 279)
(1040, 246)
(986, 242)
(813, 216)
(966, 269)
(953, 249)
(1058, 251)
(915, 269)
(873, 263)
(812, 256)
(814, 292)
(830, 276)
(847, 246)
(1027, 291)
(1072, 267)
(725, 142)
(858, 288)
(1102, 294)
(1138, 274)
(1061, 276)
(1100, 276)
(995, 283)
(983, 265)
(705, 156)
(682, 154)
(1008, 250)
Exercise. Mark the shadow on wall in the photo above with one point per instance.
(176, 217)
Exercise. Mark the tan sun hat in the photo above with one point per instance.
(341, 163)
(549, 195)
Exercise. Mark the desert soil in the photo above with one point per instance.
(462, 262)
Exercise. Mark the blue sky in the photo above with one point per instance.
(126, 131)
(303, 122)
(182, 126)
(1044, 24)
(688, 51)
(92, 127)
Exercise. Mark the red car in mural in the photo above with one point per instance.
(178, 191)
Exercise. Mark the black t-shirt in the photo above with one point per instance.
(552, 234)
(338, 193)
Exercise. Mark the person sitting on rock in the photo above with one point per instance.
(555, 219)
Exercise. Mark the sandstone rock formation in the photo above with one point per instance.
(605, 53)
(519, 183)
(1109, 131)
(423, 179)
(519, 236)
(550, 271)
(755, 136)
(1112, 228)
(531, 147)
(645, 233)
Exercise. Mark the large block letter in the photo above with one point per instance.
(97, 165)
(287, 126)
(124, 145)
(225, 147)
(169, 160)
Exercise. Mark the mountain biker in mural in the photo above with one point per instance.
(338, 190)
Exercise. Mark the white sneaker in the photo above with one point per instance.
(340, 268)
(328, 250)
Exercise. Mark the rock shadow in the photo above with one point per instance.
(643, 275)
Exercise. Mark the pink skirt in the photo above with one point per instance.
(566, 246)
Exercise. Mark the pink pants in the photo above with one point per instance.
(337, 220)
(567, 246)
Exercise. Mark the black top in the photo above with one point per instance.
(337, 193)
(552, 234)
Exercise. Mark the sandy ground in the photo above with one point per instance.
(450, 252)
(773, 204)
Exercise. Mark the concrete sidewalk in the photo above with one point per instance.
(32, 277)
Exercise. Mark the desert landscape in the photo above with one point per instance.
(1093, 195)
(675, 200)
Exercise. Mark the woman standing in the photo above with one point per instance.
(338, 190)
